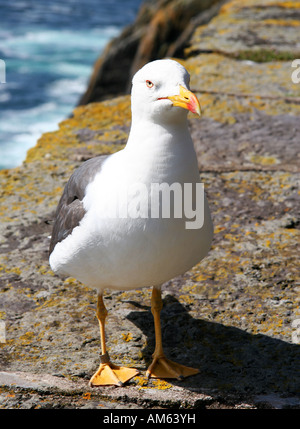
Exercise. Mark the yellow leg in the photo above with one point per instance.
(108, 373)
(161, 367)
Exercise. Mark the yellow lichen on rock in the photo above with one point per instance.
(96, 117)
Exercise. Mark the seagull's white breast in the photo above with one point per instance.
(109, 251)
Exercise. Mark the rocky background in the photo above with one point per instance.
(236, 315)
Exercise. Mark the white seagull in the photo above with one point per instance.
(103, 235)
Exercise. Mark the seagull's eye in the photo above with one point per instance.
(149, 83)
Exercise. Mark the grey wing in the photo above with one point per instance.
(70, 208)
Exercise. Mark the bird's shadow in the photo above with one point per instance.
(229, 359)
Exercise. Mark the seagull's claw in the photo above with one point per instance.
(161, 367)
(110, 374)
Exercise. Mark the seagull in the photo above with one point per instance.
(109, 231)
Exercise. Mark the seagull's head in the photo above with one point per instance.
(160, 92)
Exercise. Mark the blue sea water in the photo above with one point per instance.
(48, 48)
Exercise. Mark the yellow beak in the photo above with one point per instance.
(187, 100)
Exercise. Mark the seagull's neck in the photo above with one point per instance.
(147, 136)
(161, 153)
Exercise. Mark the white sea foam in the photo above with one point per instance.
(49, 49)
(33, 39)
(4, 96)
(67, 90)
(20, 131)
